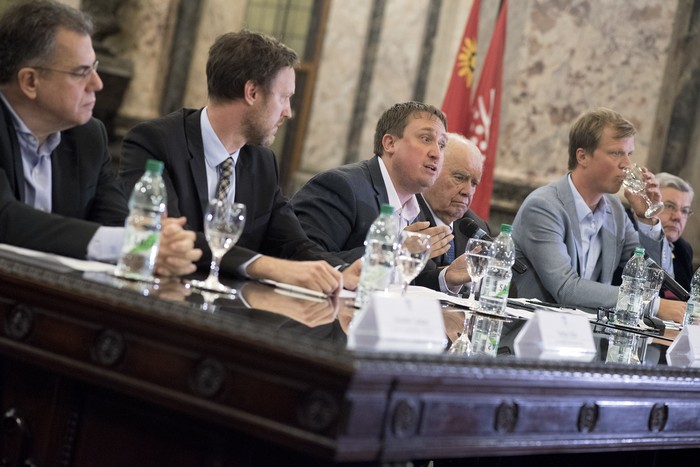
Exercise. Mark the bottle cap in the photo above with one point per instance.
(507, 228)
(153, 165)
(639, 251)
(386, 209)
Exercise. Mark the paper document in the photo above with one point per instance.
(40, 257)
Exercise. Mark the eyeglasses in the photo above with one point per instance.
(83, 73)
(672, 208)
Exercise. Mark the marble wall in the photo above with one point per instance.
(562, 57)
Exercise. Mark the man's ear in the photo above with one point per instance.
(389, 144)
(27, 79)
(581, 157)
(251, 92)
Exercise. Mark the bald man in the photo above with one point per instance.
(447, 202)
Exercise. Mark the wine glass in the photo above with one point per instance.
(477, 260)
(652, 284)
(634, 182)
(223, 225)
(411, 256)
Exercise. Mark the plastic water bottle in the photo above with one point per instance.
(496, 283)
(147, 205)
(628, 310)
(692, 309)
(378, 261)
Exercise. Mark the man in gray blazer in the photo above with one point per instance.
(574, 233)
(337, 207)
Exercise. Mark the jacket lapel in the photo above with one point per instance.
(65, 189)
(195, 147)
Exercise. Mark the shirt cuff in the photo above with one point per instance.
(443, 284)
(106, 244)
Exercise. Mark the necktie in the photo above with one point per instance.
(225, 173)
(450, 255)
(41, 180)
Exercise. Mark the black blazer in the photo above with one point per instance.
(271, 227)
(337, 207)
(683, 262)
(84, 188)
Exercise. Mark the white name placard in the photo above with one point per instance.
(551, 335)
(391, 322)
(685, 350)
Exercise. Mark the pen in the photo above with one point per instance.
(294, 288)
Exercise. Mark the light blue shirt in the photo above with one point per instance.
(214, 154)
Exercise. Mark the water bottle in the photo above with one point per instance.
(142, 228)
(692, 309)
(496, 283)
(628, 309)
(378, 261)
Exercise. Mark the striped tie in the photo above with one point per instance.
(450, 255)
(225, 173)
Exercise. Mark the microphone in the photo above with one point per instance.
(669, 281)
(471, 229)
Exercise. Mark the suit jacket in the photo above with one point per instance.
(547, 239)
(683, 262)
(337, 207)
(271, 228)
(84, 188)
(429, 277)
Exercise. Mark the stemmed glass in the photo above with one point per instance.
(634, 182)
(411, 256)
(223, 225)
(652, 284)
(477, 260)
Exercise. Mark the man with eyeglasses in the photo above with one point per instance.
(678, 198)
(58, 190)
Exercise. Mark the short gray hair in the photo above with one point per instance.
(667, 180)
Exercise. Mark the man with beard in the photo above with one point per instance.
(250, 80)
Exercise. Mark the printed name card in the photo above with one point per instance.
(552, 335)
(393, 323)
(685, 350)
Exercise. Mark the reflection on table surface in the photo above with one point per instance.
(470, 333)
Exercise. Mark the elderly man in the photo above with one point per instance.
(58, 192)
(678, 198)
(446, 203)
(574, 232)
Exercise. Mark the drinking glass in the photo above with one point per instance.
(411, 256)
(223, 225)
(652, 284)
(634, 182)
(477, 260)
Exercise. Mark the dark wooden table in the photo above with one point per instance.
(100, 372)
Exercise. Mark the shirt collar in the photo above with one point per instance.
(214, 151)
(26, 135)
(582, 209)
(410, 209)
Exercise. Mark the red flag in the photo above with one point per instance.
(485, 113)
(458, 96)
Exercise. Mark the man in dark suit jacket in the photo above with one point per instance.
(678, 199)
(337, 207)
(447, 203)
(57, 185)
(250, 80)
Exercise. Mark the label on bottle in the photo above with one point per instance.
(495, 289)
(140, 247)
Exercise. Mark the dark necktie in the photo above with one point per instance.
(450, 255)
(225, 173)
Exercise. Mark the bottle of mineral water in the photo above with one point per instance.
(147, 206)
(496, 283)
(378, 261)
(628, 310)
(692, 309)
